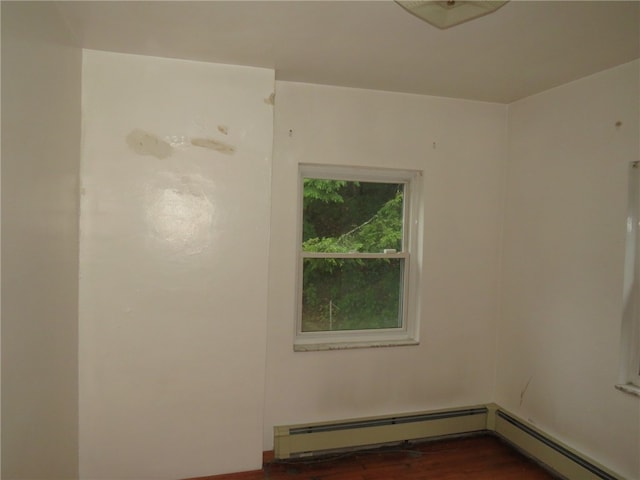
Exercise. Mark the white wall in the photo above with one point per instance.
(463, 189)
(40, 167)
(174, 244)
(563, 254)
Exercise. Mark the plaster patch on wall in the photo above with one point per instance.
(212, 144)
(145, 143)
(223, 129)
(271, 99)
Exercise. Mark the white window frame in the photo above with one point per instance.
(630, 358)
(407, 334)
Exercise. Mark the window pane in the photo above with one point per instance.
(351, 294)
(343, 216)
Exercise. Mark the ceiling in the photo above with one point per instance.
(524, 48)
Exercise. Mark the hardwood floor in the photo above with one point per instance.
(477, 458)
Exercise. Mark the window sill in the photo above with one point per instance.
(318, 347)
(629, 388)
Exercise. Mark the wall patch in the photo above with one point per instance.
(145, 143)
(271, 99)
(212, 144)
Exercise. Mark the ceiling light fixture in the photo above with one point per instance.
(445, 14)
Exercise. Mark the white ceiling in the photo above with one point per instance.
(523, 48)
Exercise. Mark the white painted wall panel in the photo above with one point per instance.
(41, 75)
(563, 250)
(463, 190)
(174, 243)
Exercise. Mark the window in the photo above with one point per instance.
(630, 365)
(358, 258)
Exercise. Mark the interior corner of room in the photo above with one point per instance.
(150, 209)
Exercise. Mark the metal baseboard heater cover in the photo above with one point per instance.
(541, 447)
(318, 438)
(306, 439)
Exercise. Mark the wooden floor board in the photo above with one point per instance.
(478, 458)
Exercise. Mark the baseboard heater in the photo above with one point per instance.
(307, 439)
(318, 438)
(541, 447)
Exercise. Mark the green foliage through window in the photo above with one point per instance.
(352, 217)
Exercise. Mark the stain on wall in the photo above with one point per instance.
(145, 143)
(271, 99)
(212, 144)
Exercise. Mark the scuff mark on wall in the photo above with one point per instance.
(145, 143)
(524, 390)
(223, 129)
(271, 99)
(212, 144)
